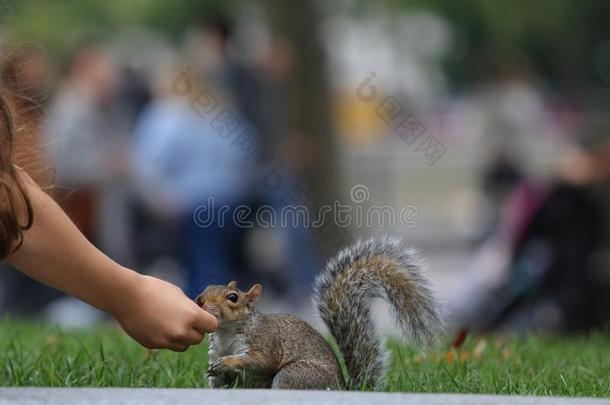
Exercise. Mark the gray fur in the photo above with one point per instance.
(282, 351)
(343, 292)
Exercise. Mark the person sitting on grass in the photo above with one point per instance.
(38, 239)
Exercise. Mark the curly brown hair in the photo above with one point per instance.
(16, 214)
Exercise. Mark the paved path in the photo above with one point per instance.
(117, 396)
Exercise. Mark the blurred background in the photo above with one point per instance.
(489, 120)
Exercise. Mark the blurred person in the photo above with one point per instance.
(37, 238)
(501, 175)
(217, 56)
(133, 94)
(558, 276)
(513, 106)
(86, 139)
(181, 165)
(153, 242)
(285, 256)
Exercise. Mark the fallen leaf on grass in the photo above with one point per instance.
(450, 357)
(464, 356)
(479, 348)
(460, 338)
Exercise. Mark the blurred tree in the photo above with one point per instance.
(562, 40)
(308, 109)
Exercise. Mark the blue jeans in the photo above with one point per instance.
(213, 254)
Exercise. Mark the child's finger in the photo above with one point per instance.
(194, 337)
(204, 322)
(178, 347)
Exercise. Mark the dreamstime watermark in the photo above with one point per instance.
(299, 215)
(404, 124)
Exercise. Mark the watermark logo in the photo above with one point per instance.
(359, 193)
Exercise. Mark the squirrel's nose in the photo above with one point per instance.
(199, 300)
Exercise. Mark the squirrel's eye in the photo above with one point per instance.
(232, 297)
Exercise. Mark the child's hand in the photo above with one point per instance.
(159, 316)
(153, 312)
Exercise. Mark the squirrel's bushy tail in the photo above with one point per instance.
(343, 293)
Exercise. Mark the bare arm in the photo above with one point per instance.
(155, 313)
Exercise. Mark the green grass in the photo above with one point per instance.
(42, 355)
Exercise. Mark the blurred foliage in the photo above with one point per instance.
(57, 24)
(564, 41)
(567, 42)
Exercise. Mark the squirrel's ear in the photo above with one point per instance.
(232, 285)
(254, 293)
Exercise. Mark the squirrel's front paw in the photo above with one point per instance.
(217, 368)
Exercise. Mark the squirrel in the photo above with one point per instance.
(283, 351)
